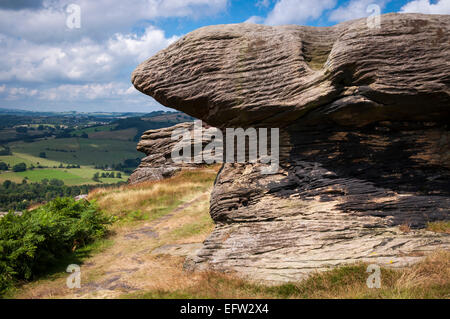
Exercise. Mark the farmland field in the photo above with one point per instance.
(73, 147)
(73, 176)
(80, 151)
(28, 159)
(94, 129)
(122, 135)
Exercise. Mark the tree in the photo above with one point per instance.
(96, 177)
(5, 151)
(3, 166)
(42, 155)
(21, 167)
(56, 182)
(119, 175)
(6, 184)
(40, 127)
(84, 135)
(21, 129)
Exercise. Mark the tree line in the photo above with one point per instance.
(19, 196)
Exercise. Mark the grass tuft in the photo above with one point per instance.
(439, 227)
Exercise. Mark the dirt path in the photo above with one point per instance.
(146, 256)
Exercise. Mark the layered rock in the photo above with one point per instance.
(365, 143)
(158, 145)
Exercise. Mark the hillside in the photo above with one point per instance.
(159, 223)
(74, 148)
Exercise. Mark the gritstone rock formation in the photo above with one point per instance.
(364, 139)
(157, 145)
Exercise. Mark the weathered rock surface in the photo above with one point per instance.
(365, 144)
(157, 145)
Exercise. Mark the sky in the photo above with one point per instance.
(78, 55)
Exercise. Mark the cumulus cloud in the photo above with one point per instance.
(424, 6)
(43, 59)
(99, 19)
(355, 9)
(85, 60)
(297, 11)
(78, 92)
(255, 19)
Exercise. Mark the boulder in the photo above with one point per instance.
(158, 145)
(364, 120)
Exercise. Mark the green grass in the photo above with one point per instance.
(91, 150)
(73, 176)
(80, 150)
(160, 207)
(203, 224)
(28, 159)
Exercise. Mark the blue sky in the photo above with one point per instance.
(48, 64)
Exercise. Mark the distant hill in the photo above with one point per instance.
(150, 121)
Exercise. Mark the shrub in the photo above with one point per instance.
(3, 166)
(36, 240)
(21, 167)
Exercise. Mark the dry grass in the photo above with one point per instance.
(127, 268)
(151, 200)
(439, 227)
(405, 228)
(428, 279)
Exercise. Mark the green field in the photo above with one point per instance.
(94, 129)
(85, 152)
(28, 159)
(80, 151)
(122, 135)
(73, 176)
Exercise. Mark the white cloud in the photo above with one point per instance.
(85, 60)
(424, 6)
(297, 11)
(142, 47)
(263, 3)
(255, 19)
(41, 59)
(76, 92)
(16, 93)
(355, 9)
(100, 19)
(113, 96)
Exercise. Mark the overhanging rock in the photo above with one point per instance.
(365, 143)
